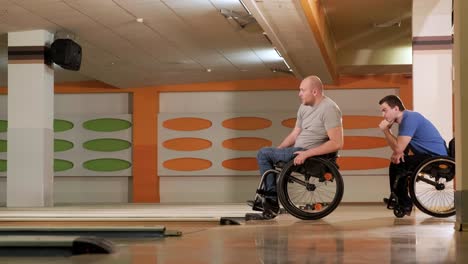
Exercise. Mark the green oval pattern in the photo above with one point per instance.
(107, 165)
(107, 144)
(3, 145)
(3, 125)
(62, 125)
(62, 145)
(62, 165)
(3, 165)
(106, 124)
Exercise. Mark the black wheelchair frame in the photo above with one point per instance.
(431, 186)
(309, 191)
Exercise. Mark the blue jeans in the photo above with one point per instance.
(266, 159)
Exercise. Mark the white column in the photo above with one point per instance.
(30, 120)
(432, 62)
(461, 112)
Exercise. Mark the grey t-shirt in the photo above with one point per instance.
(314, 122)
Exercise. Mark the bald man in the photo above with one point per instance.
(318, 132)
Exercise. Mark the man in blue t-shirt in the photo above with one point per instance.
(417, 140)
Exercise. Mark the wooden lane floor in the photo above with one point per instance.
(351, 234)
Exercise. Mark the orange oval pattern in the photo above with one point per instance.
(361, 122)
(362, 163)
(363, 142)
(187, 124)
(187, 144)
(291, 122)
(246, 143)
(241, 164)
(187, 164)
(246, 123)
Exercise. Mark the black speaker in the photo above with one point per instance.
(66, 53)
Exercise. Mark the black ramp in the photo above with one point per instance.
(101, 231)
(28, 246)
(231, 220)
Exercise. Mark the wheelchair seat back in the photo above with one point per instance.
(451, 148)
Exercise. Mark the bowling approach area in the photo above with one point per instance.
(158, 233)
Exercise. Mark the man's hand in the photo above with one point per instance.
(300, 158)
(397, 157)
(384, 125)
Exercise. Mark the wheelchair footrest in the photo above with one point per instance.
(266, 193)
(390, 202)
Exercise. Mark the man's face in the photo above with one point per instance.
(388, 113)
(307, 94)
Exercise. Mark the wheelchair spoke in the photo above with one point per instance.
(431, 198)
(320, 197)
(311, 191)
(297, 180)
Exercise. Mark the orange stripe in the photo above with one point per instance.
(187, 164)
(246, 123)
(361, 122)
(32, 61)
(187, 124)
(246, 143)
(363, 142)
(398, 81)
(241, 164)
(145, 146)
(187, 144)
(284, 83)
(315, 15)
(362, 163)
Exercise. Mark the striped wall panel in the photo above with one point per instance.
(93, 145)
(229, 144)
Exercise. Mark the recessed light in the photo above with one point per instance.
(208, 70)
(139, 20)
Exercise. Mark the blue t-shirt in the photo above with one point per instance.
(425, 138)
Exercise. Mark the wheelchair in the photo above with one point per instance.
(309, 191)
(431, 186)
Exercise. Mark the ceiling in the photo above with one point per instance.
(138, 43)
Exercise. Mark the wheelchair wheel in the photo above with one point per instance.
(432, 186)
(310, 191)
(399, 212)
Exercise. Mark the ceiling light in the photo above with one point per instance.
(267, 38)
(245, 7)
(279, 54)
(208, 70)
(240, 19)
(282, 70)
(139, 20)
(277, 51)
(392, 23)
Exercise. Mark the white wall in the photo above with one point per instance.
(84, 186)
(217, 185)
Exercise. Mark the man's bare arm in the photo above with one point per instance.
(397, 144)
(334, 144)
(291, 138)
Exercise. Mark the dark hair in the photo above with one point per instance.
(392, 101)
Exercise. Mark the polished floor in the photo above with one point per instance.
(351, 234)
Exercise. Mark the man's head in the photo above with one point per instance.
(391, 107)
(311, 90)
